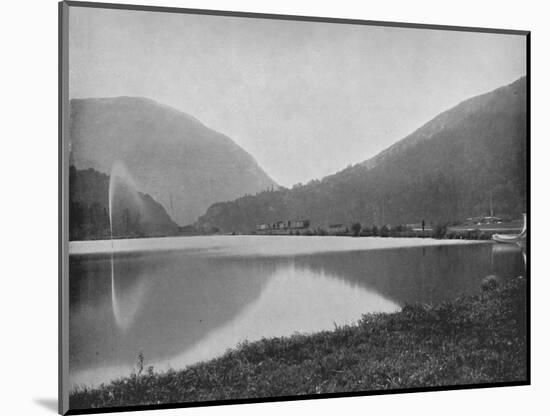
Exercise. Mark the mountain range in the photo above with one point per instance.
(468, 161)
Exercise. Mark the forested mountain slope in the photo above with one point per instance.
(447, 170)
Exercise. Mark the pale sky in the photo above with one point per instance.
(304, 99)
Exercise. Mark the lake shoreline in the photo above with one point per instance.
(473, 339)
(286, 245)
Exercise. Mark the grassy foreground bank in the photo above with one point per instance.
(472, 339)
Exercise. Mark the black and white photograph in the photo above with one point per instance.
(262, 208)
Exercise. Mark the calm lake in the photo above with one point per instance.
(188, 299)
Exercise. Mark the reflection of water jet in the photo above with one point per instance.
(123, 317)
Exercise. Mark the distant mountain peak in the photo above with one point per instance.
(170, 154)
(454, 116)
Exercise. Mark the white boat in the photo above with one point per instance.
(513, 238)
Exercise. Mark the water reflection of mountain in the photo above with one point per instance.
(182, 299)
(418, 274)
(172, 304)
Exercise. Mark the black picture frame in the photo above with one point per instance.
(63, 186)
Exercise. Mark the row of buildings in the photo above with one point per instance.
(297, 227)
(282, 227)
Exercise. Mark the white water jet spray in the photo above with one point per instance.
(123, 316)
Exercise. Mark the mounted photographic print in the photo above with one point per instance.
(263, 207)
